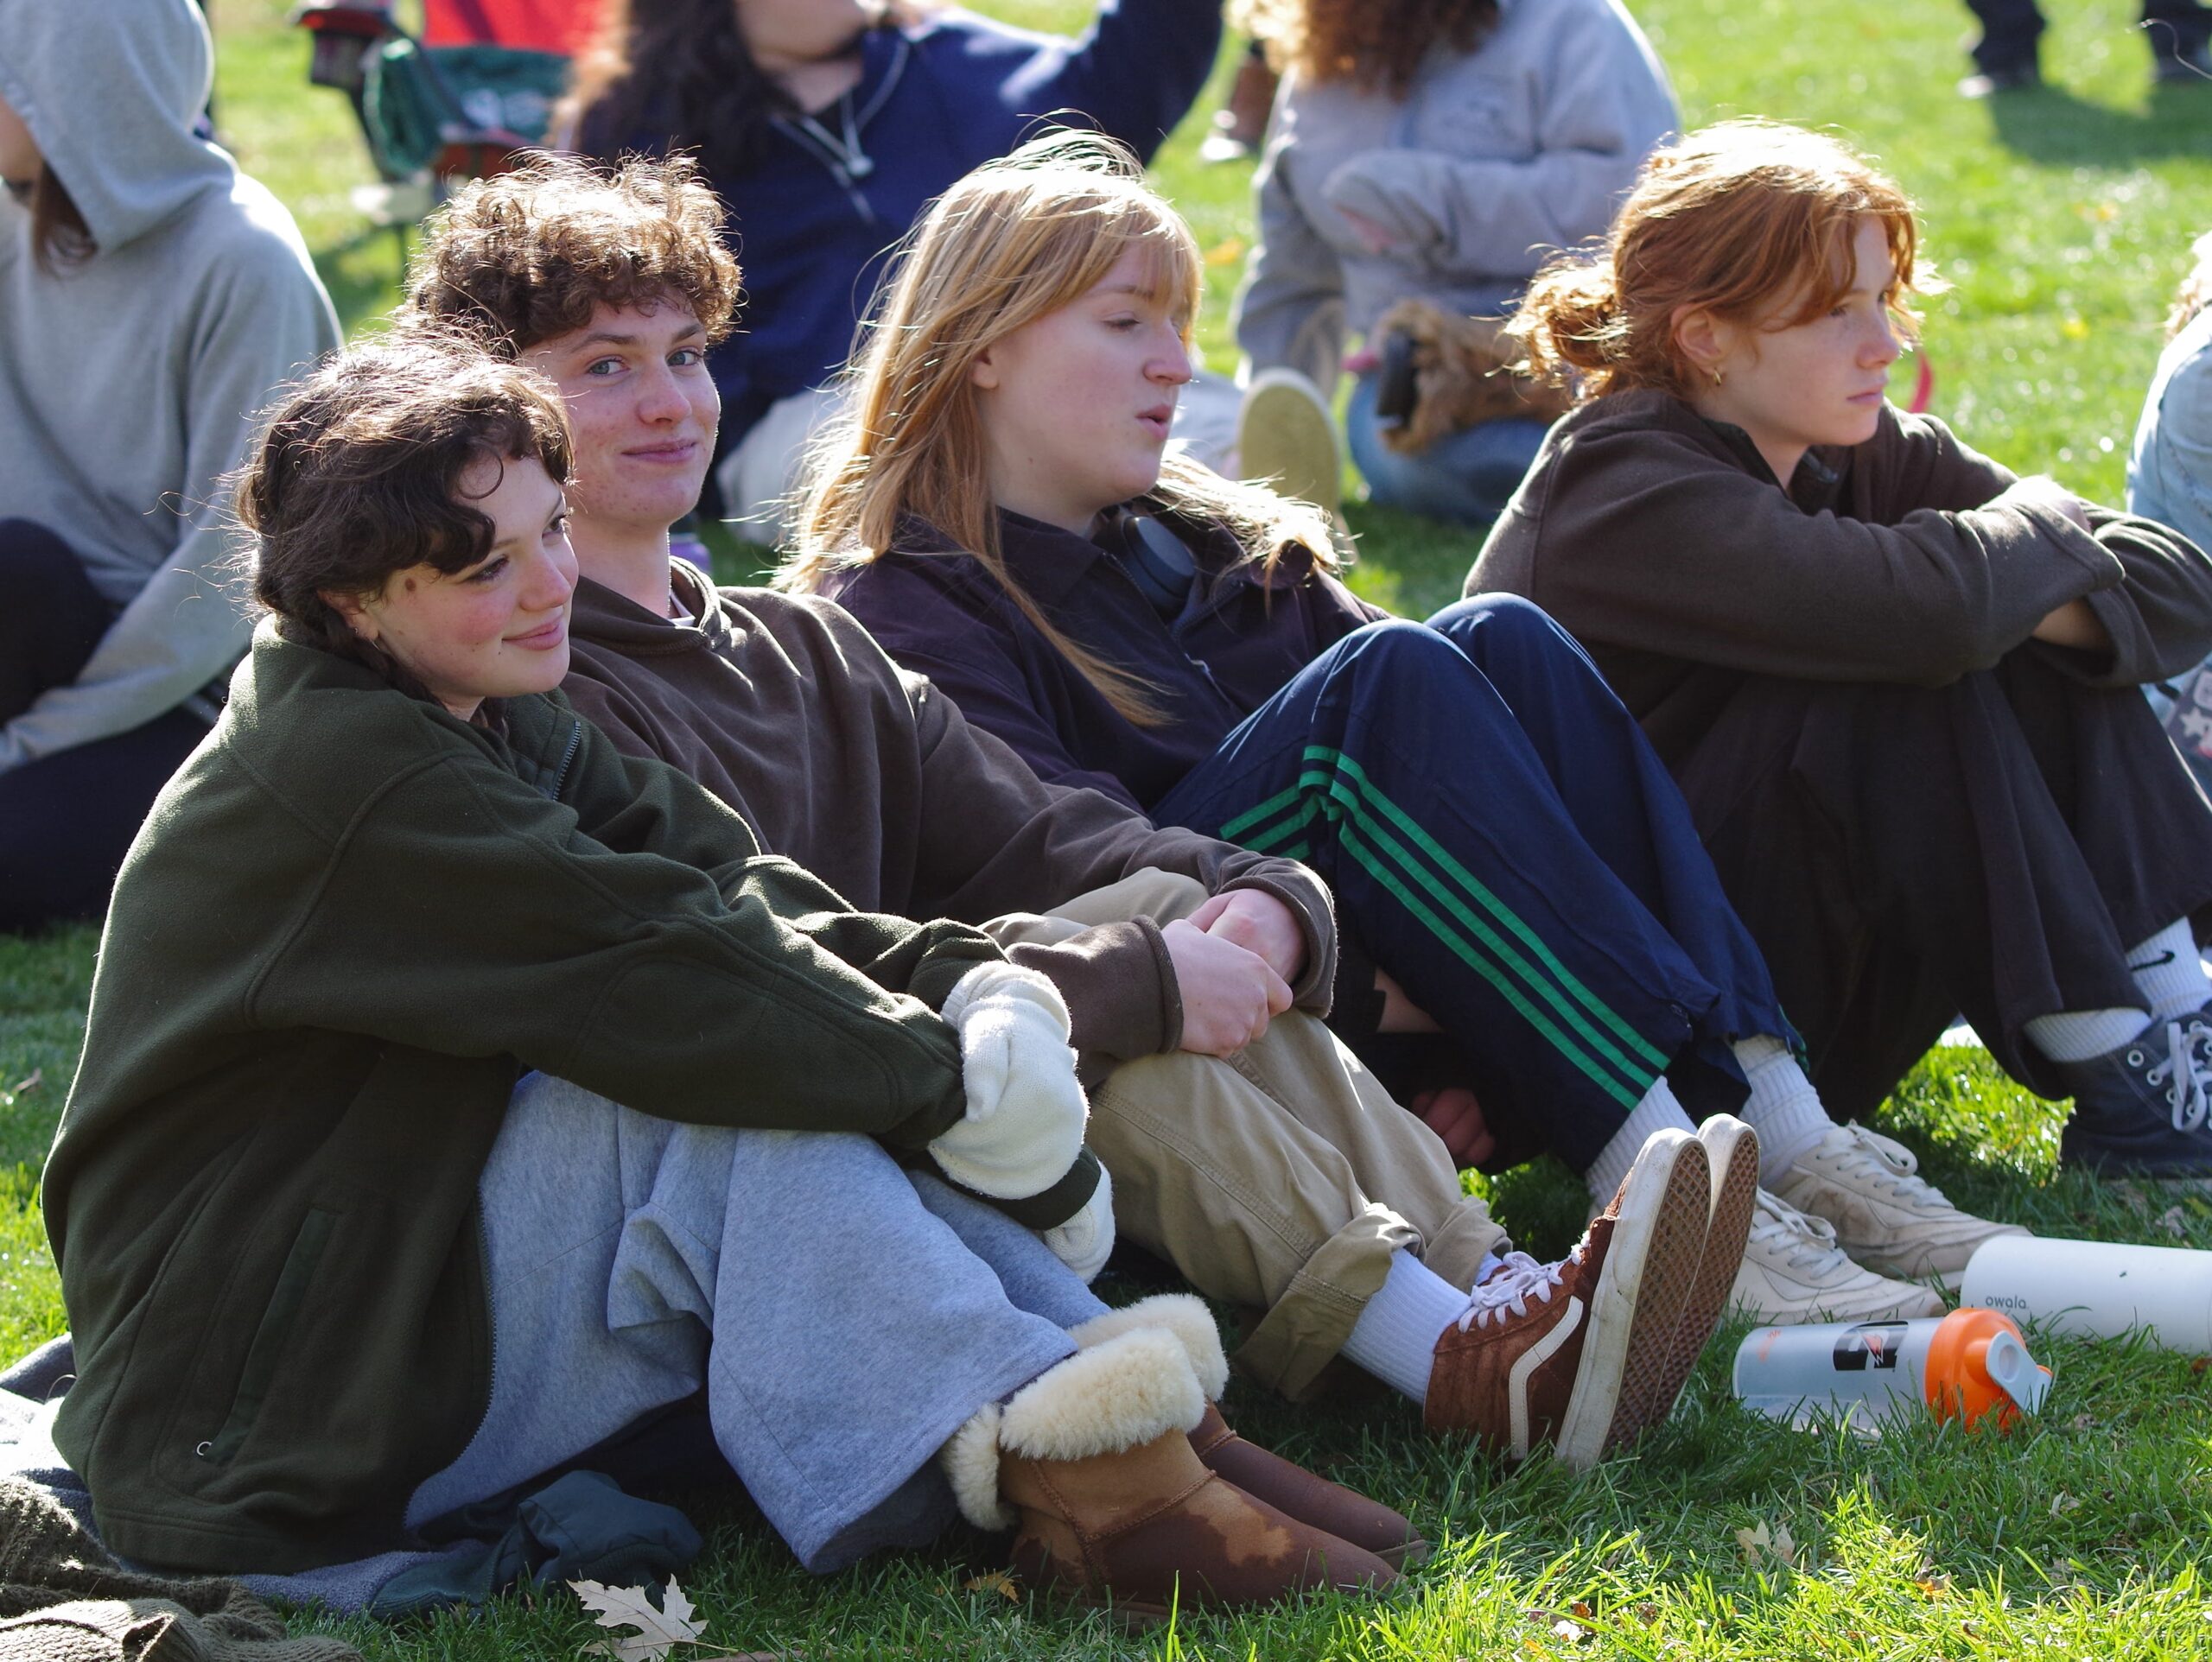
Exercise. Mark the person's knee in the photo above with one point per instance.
(1400, 653)
(1509, 618)
(40, 576)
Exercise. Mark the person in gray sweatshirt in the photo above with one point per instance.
(1434, 149)
(152, 297)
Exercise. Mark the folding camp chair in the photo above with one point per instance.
(454, 102)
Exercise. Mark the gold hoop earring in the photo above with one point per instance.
(1718, 378)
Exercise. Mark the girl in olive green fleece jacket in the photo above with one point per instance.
(333, 1273)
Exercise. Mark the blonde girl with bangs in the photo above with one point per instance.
(1896, 681)
(1515, 874)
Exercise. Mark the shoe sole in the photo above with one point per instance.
(1731, 1154)
(1285, 434)
(1629, 1343)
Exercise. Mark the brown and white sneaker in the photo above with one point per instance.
(1732, 1153)
(1580, 1352)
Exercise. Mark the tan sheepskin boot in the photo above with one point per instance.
(1285, 1486)
(1092, 1460)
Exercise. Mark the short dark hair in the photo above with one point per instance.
(524, 256)
(358, 473)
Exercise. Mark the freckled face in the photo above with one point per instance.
(1075, 404)
(1822, 382)
(642, 412)
(499, 628)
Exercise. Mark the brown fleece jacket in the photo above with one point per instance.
(866, 775)
(1662, 541)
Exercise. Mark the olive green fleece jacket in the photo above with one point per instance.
(350, 922)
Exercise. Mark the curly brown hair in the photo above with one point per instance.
(518, 258)
(1376, 45)
(358, 473)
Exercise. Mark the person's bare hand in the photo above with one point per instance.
(2050, 493)
(1256, 921)
(1229, 995)
(1400, 1013)
(1454, 1115)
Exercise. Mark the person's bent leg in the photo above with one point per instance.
(51, 617)
(842, 1333)
(1465, 478)
(1251, 1175)
(66, 820)
(1393, 766)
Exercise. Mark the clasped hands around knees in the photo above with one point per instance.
(1234, 958)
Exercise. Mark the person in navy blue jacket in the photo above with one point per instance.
(997, 508)
(826, 126)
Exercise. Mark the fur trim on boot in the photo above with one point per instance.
(1119, 1391)
(1183, 1314)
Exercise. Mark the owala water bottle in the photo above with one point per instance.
(2098, 1288)
(1970, 1364)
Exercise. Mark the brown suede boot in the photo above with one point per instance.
(1288, 1487)
(1584, 1352)
(1093, 1459)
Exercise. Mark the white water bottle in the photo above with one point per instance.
(1970, 1364)
(2099, 1288)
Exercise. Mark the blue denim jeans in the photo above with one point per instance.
(844, 1318)
(1465, 477)
(1504, 840)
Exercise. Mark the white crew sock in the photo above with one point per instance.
(1658, 1111)
(2081, 1035)
(2169, 973)
(1394, 1338)
(1785, 1108)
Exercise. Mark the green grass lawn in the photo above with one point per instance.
(2062, 217)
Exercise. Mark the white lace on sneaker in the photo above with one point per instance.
(1517, 1278)
(1807, 1243)
(1885, 1166)
(2189, 1064)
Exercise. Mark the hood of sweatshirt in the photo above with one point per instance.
(110, 91)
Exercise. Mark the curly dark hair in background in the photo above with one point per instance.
(675, 74)
(1376, 45)
(524, 256)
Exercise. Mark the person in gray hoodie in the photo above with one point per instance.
(151, 298)
(1433, 150)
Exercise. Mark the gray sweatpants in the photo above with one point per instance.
(844, 1318)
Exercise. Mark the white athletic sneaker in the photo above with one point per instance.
(1792, 1271)
(1890, 1220)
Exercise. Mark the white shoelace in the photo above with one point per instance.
(2189, 1064)
(1511, 1284)
(1893, 1166)
(1808, 1239)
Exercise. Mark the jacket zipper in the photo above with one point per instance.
(567, 760)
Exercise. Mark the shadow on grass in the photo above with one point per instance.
(2050, 126)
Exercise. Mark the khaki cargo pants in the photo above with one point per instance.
(1280, 1178)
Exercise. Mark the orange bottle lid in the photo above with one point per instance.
(1978, 1367)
